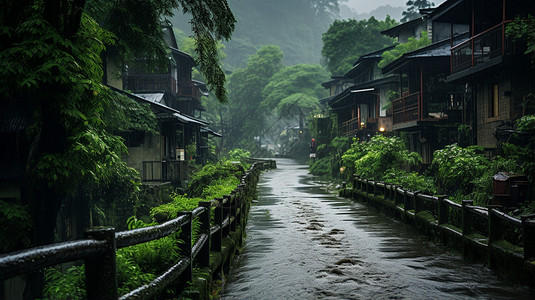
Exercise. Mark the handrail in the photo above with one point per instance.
(449, 212)
(17, 263)
(98, 250)
(481, 34)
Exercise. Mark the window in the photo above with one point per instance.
(493, 101)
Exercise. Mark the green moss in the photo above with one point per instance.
(508, 247)
(427, 216)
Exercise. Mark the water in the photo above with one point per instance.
(303, 242)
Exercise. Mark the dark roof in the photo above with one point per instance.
(394, 31)
(210, 131)
(167, 111)
(376, 55)
(361, 87)
(440, 49)
(179, 54)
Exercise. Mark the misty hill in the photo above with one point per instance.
(379, 13)
(294, 26)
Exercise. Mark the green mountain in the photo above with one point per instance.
(295, 26)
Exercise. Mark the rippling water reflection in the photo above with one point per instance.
(303, 242)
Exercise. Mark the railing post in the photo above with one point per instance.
(528, 234)
(232, 211)
(442, 210)
(406, 201)
(218, 220)
(493, 224)
(417, 203)
(185, 248)
(204, 254)
(466, 219)
(101, 271)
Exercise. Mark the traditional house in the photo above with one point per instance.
(361, 104)
(174, 98)
(427, 109)
(496, 74)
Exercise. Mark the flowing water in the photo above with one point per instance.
(306, 243)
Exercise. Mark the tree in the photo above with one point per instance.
(346, 40)
(245, 116)
(413, 9)
(296, 86)
(51, 68)
(524, 28)
(400, 49)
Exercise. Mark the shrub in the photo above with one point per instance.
(372, 159)
(455, 169)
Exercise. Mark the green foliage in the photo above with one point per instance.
(410, 181)
(211, 173)
(523, 28)
(244, 117)
(373, 159)
(15, 226)
(456, 168)
(347, 40)
(413, 8)
(328, 158)
(400, 49)
(295, 90)
(237, 154)
(65, 285)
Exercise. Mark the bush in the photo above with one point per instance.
(373, 159)
(455, 169)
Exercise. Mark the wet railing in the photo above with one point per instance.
(100, 244)
(480, 48)
(151, 82)
(487, 226)
(406, 108)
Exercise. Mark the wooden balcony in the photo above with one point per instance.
(151, 82)
(480, 49)
(406, 108)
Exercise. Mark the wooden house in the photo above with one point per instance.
(363, 93)
(175, 98)
(427, 109)
(496, 74)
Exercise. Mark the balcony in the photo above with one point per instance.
(431, 107)
(406, 108)
(480, 49)
(161, 171)
(188, 89)
(151, 82)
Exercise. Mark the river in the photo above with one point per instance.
(304, 242)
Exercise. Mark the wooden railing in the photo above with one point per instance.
(480, 48)
(151, 82)
(406, 108)
(485, 226)
(349, 127)
(100, 244)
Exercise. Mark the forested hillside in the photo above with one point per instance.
(295, 26)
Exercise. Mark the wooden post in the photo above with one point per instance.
(466, 218)
(218, 220)
(185, 247)
(204, 255)
(442, 210)
(417, 203)
(101, 270)
(528, 234)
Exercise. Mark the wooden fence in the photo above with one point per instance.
(100, 244)
(487, 227)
